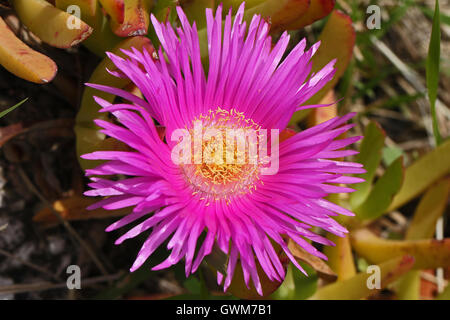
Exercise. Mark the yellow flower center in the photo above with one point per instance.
(228, 149)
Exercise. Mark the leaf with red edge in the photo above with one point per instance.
(317, 10)
(356, 287)
(22, 61)
(115, 9)
(50, 24)
(136, 19)
(102, 38)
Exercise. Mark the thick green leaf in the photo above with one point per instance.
(369, 156)
(49, 23)
(357, 288)
(340, 257)
(5, 112)
(422, 173)
(21, 60)
(193, 285)
(382, 193)
(102, 38)
(429, 254)
(408, 286)
(362, 264)
(297, 286)
(88, 137)
(390, 154)
(434, 55)
(197, 286)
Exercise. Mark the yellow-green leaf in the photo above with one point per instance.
(296, 285)
(382, 193)
(429, 254)
(408, 286)
(22, 61)
(357, 287)
(428, 211)
(369, 156)
(445, 295)
(115, 9)
(88, 138)
(423, 226)
(102, 38)
(340, 257)
(423, 173)
(51, 24)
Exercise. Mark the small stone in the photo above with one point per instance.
(13, 234)
(56, 245)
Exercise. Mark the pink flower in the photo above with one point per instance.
(248, 85)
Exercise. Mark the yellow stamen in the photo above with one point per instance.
(221, 180)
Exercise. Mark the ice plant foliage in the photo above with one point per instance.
(248, 85)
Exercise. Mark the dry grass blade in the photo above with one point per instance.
(41, 286)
